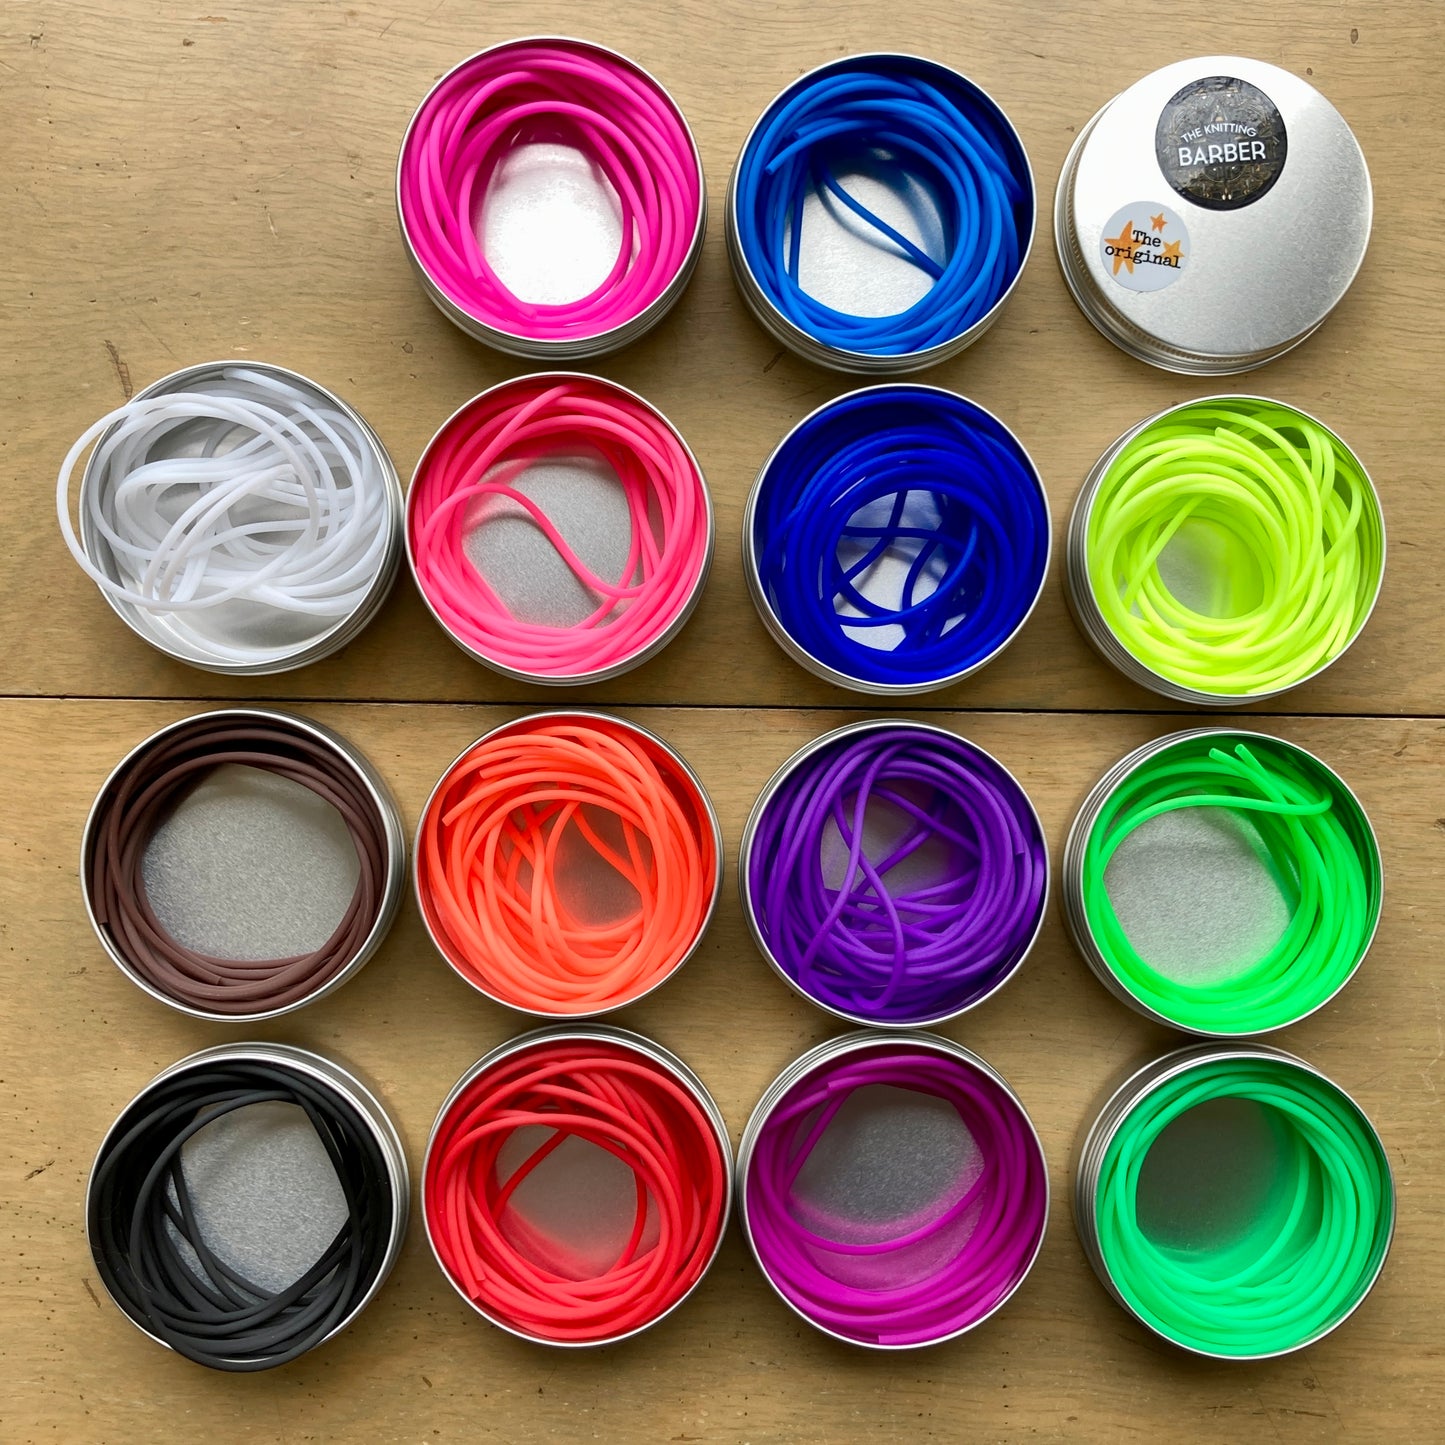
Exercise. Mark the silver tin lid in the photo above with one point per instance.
(1211, 216)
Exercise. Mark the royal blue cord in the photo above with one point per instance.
(887, 114)
(946, 487)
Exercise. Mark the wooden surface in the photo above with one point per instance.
(184, 183)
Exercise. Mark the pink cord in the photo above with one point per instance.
(482, 450)
(558, 92)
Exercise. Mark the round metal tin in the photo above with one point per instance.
(1072, 871)
(645, 654)
(578, 348)
(649, 1049)
(365, 773)
(1122, 1099)
(328, 1073)
(1243, 204)
(1091, 621)
(750, 828)
(152, 627)
(836, 1047)
(784, 330)
(795, 650)
(678, 761)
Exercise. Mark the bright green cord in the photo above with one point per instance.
(1317, 846)
(1306, 1260)
(1291, 503)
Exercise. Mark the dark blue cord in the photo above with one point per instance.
(981, 545)
(916, 120)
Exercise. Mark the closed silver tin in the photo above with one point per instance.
(1072, 872)
(1091, 621)
(678, 761)
(330, 1074)
(152, 627)
(1242, 204)
(750, 828)
(626, 1039)
(784, 330)
(578, 348)
(1122, 1099)
(365, 773)
(836, 1047)
(795, 650)
(616, 669)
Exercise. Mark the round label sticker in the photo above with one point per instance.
(1145, 246)
(1221, 143)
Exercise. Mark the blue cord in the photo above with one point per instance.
(906, 472)
(905, 117)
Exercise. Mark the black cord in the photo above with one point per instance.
(140, 1212)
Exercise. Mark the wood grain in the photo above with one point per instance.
(187, 186)
(1060, 1362)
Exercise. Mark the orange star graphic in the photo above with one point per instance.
(1172, 253)
(1157, 221)
(1123, 246)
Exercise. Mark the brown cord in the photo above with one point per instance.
(134, 804)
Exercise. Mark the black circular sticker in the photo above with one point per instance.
(1221, 143)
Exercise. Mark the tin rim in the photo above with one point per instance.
(644, 654)
(773, 623)
(377, 790)
(573, 348)
(1122, 1099)
(330, 1074)
(685, 771)
(1079, 592)
(1112, 323)
(782, 329)
(760, 806)
(341, 632)
(836, 1047)
(1072, 872)
(625, 1039)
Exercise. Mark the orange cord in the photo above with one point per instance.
(489, 882)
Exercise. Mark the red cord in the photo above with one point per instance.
(620, 1099)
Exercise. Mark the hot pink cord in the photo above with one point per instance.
(556, 92)
(481, 452)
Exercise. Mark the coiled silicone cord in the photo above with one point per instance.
(1316, 845)
(873, 948)
(497, 898)
(1287, 502)
(617, 1099)
(924, 125)
(955, 1266)
(280, 506)
(152, 1253)
(133, 805)
(560, 93)
(913, 479)
(482, 453)
(1303, 1264)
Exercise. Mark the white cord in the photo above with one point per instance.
(292, 515)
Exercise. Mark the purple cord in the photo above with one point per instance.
(1000, 1214)
(881, 951)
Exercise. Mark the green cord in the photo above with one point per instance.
(1310, 1255)
(1287, 502)
(1317, 846)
